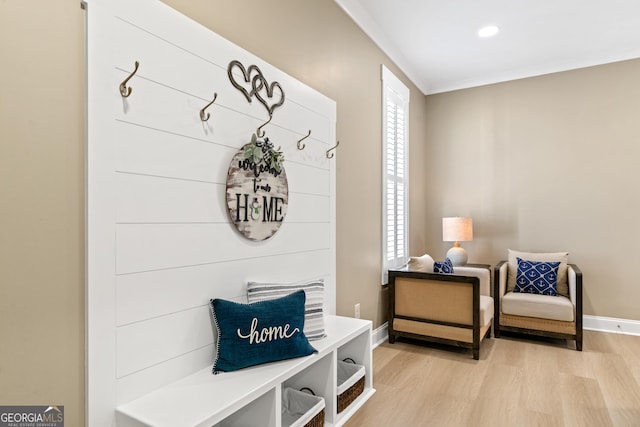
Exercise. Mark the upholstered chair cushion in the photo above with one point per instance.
(486, 309)
(541, 306)
(483, 274)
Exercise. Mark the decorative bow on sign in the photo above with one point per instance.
(254, 84)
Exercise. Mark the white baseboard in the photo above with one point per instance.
(380, 334)
(611, 324)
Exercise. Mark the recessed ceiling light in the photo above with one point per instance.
(488, 31)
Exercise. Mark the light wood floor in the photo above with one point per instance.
(516, 382)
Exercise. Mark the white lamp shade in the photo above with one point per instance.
(457, 229)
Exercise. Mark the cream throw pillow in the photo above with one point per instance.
(422, 263)
(562, 257)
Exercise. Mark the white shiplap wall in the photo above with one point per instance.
(159, 240)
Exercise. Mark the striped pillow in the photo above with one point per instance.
(313, 314)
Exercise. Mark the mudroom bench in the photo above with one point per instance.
(253, 396)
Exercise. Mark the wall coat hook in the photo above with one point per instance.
(204, 117)
(124, 90)
(329, 153)
(260, 133)
(300, 143)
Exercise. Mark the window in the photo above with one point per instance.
(395, 172)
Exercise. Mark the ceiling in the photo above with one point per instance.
(435, 42)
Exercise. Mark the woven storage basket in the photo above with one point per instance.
(350, 382)
(301, 409)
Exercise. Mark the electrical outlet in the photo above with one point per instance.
(356, 310)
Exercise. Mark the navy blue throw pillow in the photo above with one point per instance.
(536, 277)
(445, 266)
(261, 332)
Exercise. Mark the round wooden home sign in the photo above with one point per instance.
(257, 190)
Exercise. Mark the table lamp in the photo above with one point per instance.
(457, 229)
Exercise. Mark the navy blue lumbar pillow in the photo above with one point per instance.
(261, 332)
(443, 267)
(536, 277)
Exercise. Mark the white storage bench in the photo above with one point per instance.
(253, 396)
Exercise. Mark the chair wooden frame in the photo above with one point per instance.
(536, 326)
(416, 310)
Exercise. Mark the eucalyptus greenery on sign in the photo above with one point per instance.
(260, 156)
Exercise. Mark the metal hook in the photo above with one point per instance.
(124, 90)
(301, 146)
(260, 135)
(206, 117)
(332, 148)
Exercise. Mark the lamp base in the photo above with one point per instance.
(457, 255)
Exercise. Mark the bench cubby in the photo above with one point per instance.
(253, 396)
(316, 377)
(257, 412)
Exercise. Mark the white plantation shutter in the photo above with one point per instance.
(395, 173)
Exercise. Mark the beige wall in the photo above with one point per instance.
(581, 127)
(545, 164)
(42, 205)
